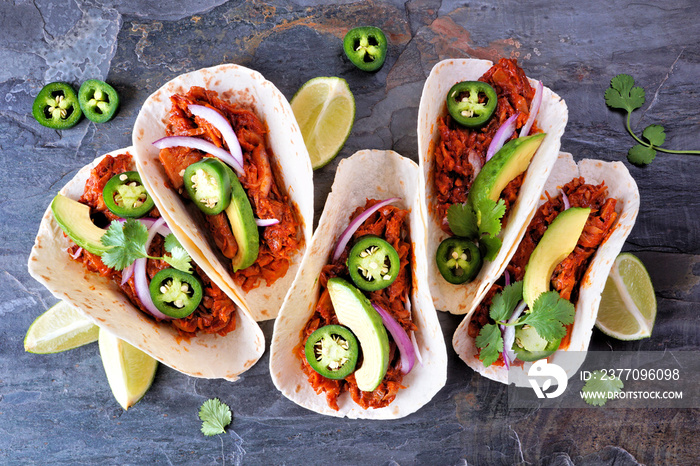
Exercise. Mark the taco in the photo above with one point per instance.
(373, 367)
(469, 110)
(585, 214)
(177, 310)
(247, 204)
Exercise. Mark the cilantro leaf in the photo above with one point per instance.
(654, 134)
(503, 304)
(462, 220)
(179, 258)
(491, 343)
(623, 94)
(171, 242)
(641, 155)
(128, 243)
(599, 386)
(549, 316)
(488, 215)
(492, 245)
(215, 416)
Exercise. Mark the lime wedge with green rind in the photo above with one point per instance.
(61, 328)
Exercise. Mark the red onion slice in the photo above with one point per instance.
(567, 204)
(355, 224)
(534, 108)
(415, 348)
(218, 121)
(502, 135)
(77, 253)
(127, 273)
(140, 280)
(199, 144)
(266, 222)
(403, 342)
(475, 161)
(509, 334)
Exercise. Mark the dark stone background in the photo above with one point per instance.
(59, 408)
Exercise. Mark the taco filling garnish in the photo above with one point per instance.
(138, 252)
(485, 144)
(519, 318)
(216, 155)
(357, 339)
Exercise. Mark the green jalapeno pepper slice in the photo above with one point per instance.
(98, 100)
(175, 293)
(332, 351)
(529, 356)
(56, 106)
(458, 259)
(373, 263)
(208, 183)
(365, 47)
(471, 103)
(125, 196)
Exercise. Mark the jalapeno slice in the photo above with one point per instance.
(365, 47)
(528, 356)
(332, 351)
(373, 263)
(98, 100)
(471, 103)
(125, 196)
(458, 260)
(175, 293)
(208, 183)
(56, 106)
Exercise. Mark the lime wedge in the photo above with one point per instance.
(628, 304)
(130, 371)
(61, 328)
(325, 110)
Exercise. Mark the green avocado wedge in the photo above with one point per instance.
(509, 162)
(74, 219)
(240, 215)
(355, 311)
(556, 243)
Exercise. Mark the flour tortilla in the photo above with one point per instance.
(249, 89)
(622, 187)
(368, 174)
(552, 118)
(103, 302)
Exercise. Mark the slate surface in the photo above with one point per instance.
(59, 409)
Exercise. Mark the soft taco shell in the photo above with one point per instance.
(622, 187)
(289, 158)
(103, 302)
(367, 174)
(551, 119)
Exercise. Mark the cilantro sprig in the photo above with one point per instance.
(127, 242)
(549, 316)
(481, 222)
(624, 95)
(215, 416)
(599, 386)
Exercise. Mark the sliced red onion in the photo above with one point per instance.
(413, 334)
(507, 274)
(147, 221)
(509, 334)
(127, 273)
(567, 204)
(218, 121)
(502, 135)
(403, 342)
(355, 224)
(266, 222)
(475, 161)
(140, 280)
(199, 144)
(77, 253)
(534, 108)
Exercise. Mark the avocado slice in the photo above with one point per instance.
(74, 219)
(509, 162)
(355, 311)
(240, 216)
(556, 243)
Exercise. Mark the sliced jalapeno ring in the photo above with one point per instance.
(458, 259)
(373, 263)
(125, 196)
(529, 356)
(98, 100)
(471, 103)
(175, 293)
(56, 106)
(332, 351)
(365, 47)
(208, 183)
